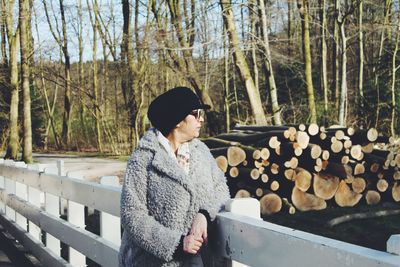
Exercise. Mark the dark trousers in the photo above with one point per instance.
(193, 261)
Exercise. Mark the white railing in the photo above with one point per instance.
(32, 199)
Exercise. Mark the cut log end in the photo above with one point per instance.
(235, 155)
(234, 172)
(325, 185)
(274, 186)
(396, 192)
(270, 203)
(305, 201)
(382, 185)
(358, 185)
(242, 193)
(372, 134)
(345, 197)
(372, 197)
(303, 179)
(222, 163)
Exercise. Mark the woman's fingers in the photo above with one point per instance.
(192, 244)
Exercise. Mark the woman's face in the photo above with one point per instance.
(190, 127)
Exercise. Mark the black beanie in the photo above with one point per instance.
(171, 107)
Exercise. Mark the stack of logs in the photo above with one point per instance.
(301, 167)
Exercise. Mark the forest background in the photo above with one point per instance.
(79, 74)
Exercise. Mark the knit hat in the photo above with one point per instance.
(171, 107)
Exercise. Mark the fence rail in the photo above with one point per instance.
(34, 197)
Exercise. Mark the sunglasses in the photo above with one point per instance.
(197, 113)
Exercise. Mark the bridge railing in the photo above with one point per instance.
(33, 199)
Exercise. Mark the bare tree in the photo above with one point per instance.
(361, 58)
(303, 6)
(324, 73)
(62, 41)
(268, 66)
(24, 10)
(395, 67)
(13, 43)
(343, 11)
(240, 61)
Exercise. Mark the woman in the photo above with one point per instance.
(173, 188)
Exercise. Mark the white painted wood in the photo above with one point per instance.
(9, 186)
(34, 196)
(2, 186)
(76, 216)
(97, 196)
(243, 206)
(112, 234)
(259, 243)
(21, 190)
(52, 206)
(393, 245)
(97, 248)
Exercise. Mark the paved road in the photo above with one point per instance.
(88, 168)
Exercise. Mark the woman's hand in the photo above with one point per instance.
(199, 227)
(192, 244)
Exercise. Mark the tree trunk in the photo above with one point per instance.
(393, 83)
(129, 60)
(273, 91)
(240, 60)
(96, 107)
(324, 73)
(336, 59)
(304, 14)
(23, 24)
(388, 4)
(343, 86)
(66, 131)
(81, 73)
(361, 61)
(226, 83)
(13, 43)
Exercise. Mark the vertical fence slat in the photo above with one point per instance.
(52, 206)
(76, 216)
(21, 191)
(9, 186)
(107, 220)
(34, 198)
(2, 186)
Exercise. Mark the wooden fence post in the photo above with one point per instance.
(52, 206)
(76, 216)
(21, 191)
(393, 244)
(108, 222)
(35, 199)
(9, 186)
(2, 186)
(243, 206)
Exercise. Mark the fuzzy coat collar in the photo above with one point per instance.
(167, 165)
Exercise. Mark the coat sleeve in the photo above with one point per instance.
(142, 228)
(220, 194)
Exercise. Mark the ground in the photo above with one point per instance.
(89, 167)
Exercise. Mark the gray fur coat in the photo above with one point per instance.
(159, 201)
